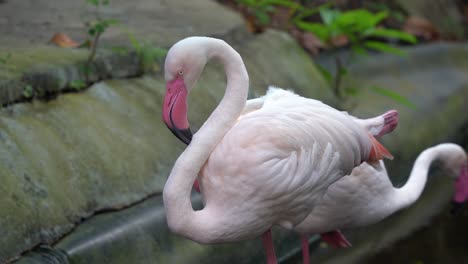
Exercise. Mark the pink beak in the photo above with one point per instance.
(461, 189)
(174, 112)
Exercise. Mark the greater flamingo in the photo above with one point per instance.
(266, 167)
(368, 196)
(377, 126)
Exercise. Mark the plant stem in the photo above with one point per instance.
(337, 84)
(94, 45)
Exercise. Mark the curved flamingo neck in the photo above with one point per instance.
(180, 214)
(412, 190)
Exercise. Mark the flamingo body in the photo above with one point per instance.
(367, 195)
(275, 162)
(260, 163)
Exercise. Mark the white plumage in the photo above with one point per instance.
(267, 163)
(367, 195)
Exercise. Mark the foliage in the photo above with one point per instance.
(28, 91)
(100, 26)
(356, 25)
(97, 2)
(396, 15)
(359, 28)
(95, 30)
(392, 95)
(77, 84)
(261, 9)
(147, 53)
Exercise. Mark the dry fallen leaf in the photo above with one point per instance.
(339, 41)
(281, 18)
(421, 28)
(63, 41)
(308, 40)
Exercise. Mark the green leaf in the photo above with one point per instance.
(307, 12)
(28, 91)
(377, 18)
(262, 17)
(77, 84)
(247, 2)
(359, 20)
(93, 2)
(354, 17)
(359, 50)
(343, 71)
(134, 41)
(321, 31)
(285, 3)
(100, 28)
(92, 31)
(329, 15)
(105, 2)
(382, 47)
(391, 33)
(325, 73)
(392, 95)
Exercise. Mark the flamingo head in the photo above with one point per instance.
(184, 63)
(455, 161)
(461, 189)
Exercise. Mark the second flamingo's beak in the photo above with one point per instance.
(461, 190)
(174, 112)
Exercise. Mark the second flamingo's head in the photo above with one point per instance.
(455, 160)
(461, 189)
(184, 63)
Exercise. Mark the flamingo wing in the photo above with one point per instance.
(277, 160)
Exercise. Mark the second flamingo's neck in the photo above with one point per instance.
(417, 180)
(180, 214)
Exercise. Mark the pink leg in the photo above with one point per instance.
(390, 122)
(305, 249)
(267, 240)
(335, 239)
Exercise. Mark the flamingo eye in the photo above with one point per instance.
(181, 72)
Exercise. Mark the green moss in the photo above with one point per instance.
(80, 153)
(24, 59)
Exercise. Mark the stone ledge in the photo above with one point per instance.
(47, 78)
(64, 159)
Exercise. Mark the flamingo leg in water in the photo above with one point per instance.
(267, 240)
(305, 249)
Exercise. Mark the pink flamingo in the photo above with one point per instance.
(368, 196)
(267, 167)
(377, 126)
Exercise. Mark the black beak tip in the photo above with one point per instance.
(185, 135)
(456, 208)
